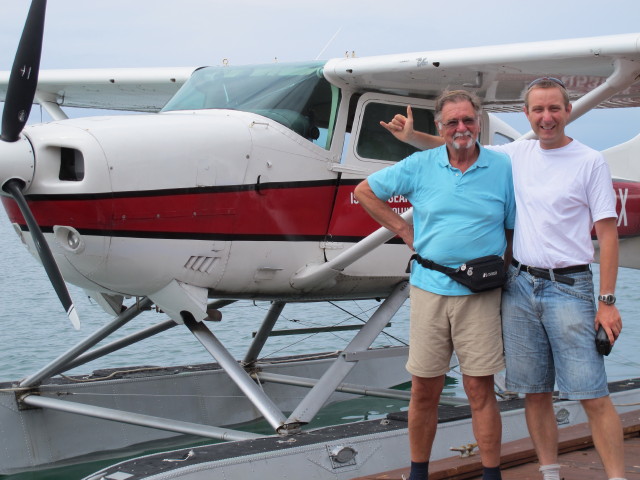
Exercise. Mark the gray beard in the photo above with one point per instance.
(469, 144)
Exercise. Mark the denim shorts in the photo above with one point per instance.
(549, 336)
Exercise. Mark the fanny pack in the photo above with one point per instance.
(478, 275)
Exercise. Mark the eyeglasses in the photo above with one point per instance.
(466, 121)
(547, 79)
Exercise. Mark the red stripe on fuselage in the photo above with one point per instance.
(350, 221)
(297, 211)
(300, 211)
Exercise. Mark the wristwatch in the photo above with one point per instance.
(607, 299)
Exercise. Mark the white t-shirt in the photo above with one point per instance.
(559, 193)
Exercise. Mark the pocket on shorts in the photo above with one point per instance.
(511, 277)
(582, 288)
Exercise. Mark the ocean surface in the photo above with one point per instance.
(34, 330)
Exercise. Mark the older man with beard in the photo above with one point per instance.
(464, 208)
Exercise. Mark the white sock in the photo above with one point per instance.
(617, 478)
(550, 472)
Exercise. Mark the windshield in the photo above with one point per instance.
(295, 95)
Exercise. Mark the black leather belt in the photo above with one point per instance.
(559, 274)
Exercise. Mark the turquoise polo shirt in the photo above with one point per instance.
(456, 216)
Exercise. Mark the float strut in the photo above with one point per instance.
(239, 376)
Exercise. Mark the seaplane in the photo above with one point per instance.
(236, 183)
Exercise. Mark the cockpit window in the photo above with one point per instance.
(375, 142)
(295, 95)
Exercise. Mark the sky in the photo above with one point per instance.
(169, 33)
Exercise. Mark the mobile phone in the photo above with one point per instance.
(603, 345)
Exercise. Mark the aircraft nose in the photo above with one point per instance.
(17, 162)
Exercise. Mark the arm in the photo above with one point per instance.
(608, 315)
(401, 127)
(508, 253)
(382, 213)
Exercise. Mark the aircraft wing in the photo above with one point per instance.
(133, 89)
(500, 74)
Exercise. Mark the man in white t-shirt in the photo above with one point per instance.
(563, 189)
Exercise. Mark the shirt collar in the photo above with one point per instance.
(481, 162)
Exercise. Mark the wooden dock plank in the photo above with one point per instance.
(578, 458)
(580, 465)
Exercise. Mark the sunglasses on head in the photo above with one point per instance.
(547, 79)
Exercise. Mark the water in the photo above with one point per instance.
(34, 330)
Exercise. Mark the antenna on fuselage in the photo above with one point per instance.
(328, 43)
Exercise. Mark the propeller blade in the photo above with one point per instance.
(24, 74)
(21, 91)
(14, 187)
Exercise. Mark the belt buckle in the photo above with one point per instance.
(528, 267)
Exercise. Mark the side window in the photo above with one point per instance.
(321, 110)
(376, 143)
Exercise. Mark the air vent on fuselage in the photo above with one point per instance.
(71, 165)
(200, 264)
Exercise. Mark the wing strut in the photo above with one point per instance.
(319, 275)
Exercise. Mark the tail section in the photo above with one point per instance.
(624, 162)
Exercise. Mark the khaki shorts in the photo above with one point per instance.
(468, 324)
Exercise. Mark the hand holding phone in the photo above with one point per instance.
(603, 345)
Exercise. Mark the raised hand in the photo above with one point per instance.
(401, 127)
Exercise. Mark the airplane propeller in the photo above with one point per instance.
(24, 74)
(21, 91)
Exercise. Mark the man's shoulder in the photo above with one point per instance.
(495, 157)
(430, 152)
(412, 165)
(584, 149)
(426, 158)
(515, 146)
(490, 150)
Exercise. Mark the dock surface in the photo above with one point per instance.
(578, 458)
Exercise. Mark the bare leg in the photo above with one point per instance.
(487, 425)
(423, 415)
(541, 421)
(606, 430)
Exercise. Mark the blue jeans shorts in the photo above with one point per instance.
(549, 336)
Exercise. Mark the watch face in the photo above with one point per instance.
(609, 299)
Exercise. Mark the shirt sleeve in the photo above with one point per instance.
(510, 203)
(397, 179)
(602, 197)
